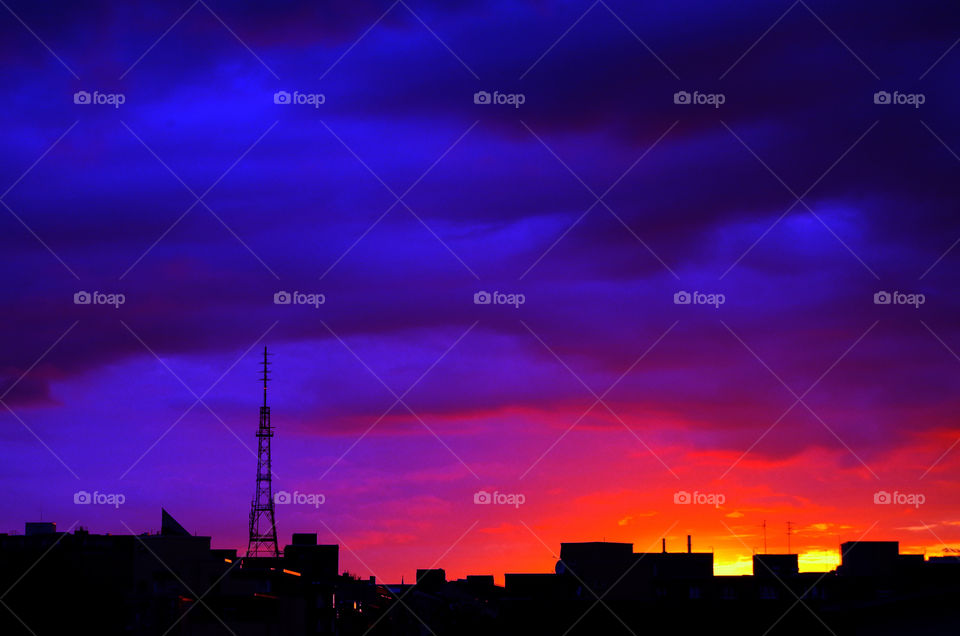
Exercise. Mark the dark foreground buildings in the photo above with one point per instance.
(55, 583)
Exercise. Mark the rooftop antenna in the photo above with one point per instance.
(263, 526)
(764, 536)
(789, 528)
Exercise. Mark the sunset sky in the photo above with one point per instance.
(599, 399)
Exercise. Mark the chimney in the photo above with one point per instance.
(664, 544)
(689, 550)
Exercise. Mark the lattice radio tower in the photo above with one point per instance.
(263, 526)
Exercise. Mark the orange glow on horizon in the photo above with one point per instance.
(819, 560)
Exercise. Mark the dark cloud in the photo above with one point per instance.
(399, 100)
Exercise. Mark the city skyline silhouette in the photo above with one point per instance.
(146, 583)
(529, 274)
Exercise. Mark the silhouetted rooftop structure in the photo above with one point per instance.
(304, 538)
(431, 578)
(775, 565)
(39, 527)
(169, 527)
(869, 558)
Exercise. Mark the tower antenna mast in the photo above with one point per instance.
(266, 375)
(263, 526)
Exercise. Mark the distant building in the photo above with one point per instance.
(431, 578)
(480, 580)
(868, 558)
(775, 565)
(34, 528)
(615, 570)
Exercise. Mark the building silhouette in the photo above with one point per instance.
(175, 583)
